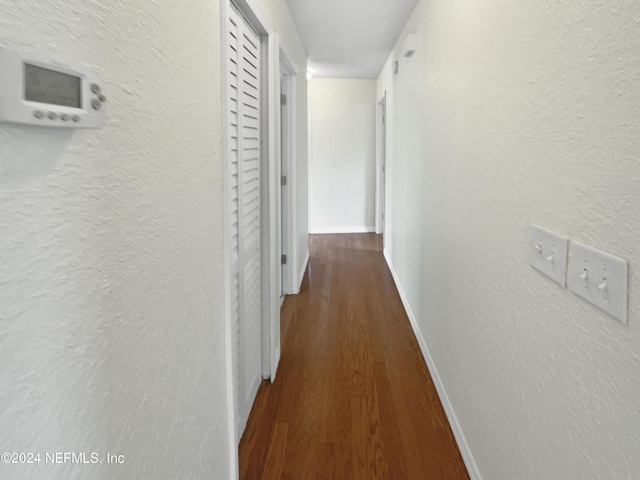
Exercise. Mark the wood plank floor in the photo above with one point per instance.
(353, 398)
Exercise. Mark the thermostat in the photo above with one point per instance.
(37, 90)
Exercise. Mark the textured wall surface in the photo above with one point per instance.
(342, 164)
(511, 113)
(111, 263)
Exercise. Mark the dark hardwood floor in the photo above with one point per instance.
(353, 398)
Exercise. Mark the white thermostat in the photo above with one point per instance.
(37, 90)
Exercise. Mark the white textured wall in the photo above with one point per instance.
(111, 263)
(342, 164)
(511, 113)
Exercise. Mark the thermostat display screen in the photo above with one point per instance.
(49, 86)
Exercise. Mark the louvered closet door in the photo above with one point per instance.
(244, 181)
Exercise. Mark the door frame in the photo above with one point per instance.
(270, 319)
(288, 148)
(381, 163)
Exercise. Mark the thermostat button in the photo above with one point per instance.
(76, 118)
(96, 104)
(38, 114)
(95, 88)
(64, 117)
(52, 115)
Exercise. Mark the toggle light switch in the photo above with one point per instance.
(600, 278)
(548, 254)
(603, 287)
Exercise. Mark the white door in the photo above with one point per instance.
(288, 190)
(383, 169)
(244, 188)
(284, 200)
(381, 164)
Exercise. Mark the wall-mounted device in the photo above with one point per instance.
(37, 90)
(409, 45)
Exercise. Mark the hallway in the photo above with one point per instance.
(353, 397)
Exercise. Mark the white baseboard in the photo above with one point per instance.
(465, 450)
(302, 270)
(276, 363)
(356, 229)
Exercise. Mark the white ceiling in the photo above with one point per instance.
(349, 38)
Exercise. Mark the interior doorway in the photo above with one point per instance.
(288, 179)
(381, 163)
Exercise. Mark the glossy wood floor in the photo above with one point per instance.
(353, 398)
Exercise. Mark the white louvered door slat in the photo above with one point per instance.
(244, 205)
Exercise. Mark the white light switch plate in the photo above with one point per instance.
(600, 278)
(548, 254)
